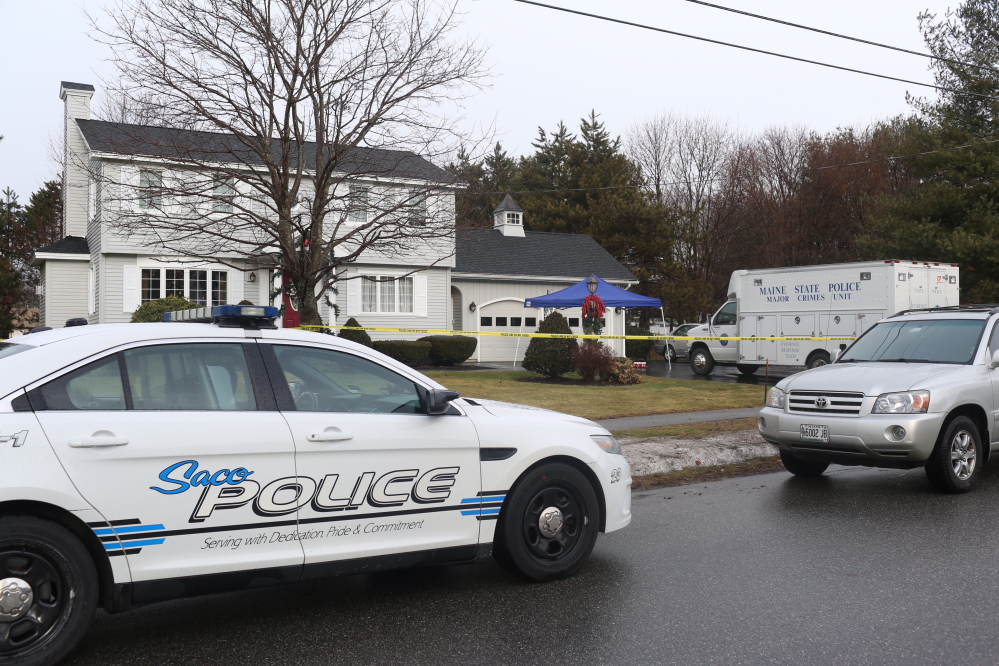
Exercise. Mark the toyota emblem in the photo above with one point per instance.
(821, 403)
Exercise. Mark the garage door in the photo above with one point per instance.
(512, 317)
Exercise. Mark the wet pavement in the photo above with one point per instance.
(858, 566)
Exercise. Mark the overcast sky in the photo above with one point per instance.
(550, 66)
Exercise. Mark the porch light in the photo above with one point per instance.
(591, 285)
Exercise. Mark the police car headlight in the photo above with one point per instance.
(775, 398)
(910, 402)
(607, 443)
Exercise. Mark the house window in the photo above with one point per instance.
(150, 189)
(219, 283)
(530, 321)
(515, 321)
(573, 322)
(174, 282)
(223, 195)
(501, 321)
(485, 321)
(160, 283)
(418, 209)
(386, 293)
(513, 218)
(357, 204)
(150, 284)
(197, 287)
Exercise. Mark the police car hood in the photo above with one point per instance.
(521, 412)
(872, 378)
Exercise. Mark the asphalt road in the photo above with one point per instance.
(721, 373)
(859, 566)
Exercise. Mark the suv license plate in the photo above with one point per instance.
(815, 433)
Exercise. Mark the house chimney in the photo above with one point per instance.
(75, 179)
(508, 218)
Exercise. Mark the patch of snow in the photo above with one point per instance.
(669, 454)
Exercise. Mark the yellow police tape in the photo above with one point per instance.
(499, 334)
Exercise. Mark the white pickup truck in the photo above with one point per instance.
(832, 300)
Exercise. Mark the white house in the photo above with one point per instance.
(477, 281)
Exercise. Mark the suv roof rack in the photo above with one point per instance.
(991, 308)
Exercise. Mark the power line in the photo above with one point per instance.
(755, 50)
(710, 180)
(836, 34)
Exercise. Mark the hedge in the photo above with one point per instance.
(410, 352)
(550, 356)
(637, 350)
(449, 349)
(360, 337)
(152, 311)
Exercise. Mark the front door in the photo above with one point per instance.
(173, 445)
(385, 478)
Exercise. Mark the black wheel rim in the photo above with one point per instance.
(51, 596)
(560, 547)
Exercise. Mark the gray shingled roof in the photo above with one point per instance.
(68, 245)
(508, 204)
(187, 145)
(487, 251)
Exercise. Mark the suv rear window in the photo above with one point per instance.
(926, 341)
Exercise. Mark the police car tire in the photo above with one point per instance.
(518, 539)
(800, 467)
(55, 552)
(708, 363)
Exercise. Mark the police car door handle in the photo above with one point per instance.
(92, 442)
(330, 435)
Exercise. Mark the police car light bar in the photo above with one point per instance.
(261, 316)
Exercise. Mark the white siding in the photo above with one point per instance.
(438, 295)
(65, 291)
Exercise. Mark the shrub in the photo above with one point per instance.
(551, 357)
(449, 349)
(410, 352)
(592, 360)
(637, 350)
(360, 337)
(624, 372)
(154, 310)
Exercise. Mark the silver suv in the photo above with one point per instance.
(918, 389)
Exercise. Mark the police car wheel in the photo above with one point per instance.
(48, 591)
(550, 525)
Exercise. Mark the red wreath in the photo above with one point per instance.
(593, 306)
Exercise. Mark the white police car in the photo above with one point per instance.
(143, 462)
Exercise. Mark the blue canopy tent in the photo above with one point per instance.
(613, 297)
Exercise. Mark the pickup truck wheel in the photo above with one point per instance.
(955, 464)
(747, 370)
(549, 524)
(701, 361)
(800, 467)
(818, 359)
(48, 591)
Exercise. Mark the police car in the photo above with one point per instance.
(143, 462)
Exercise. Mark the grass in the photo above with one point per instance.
(691, 475)
(690, 429)
(601, 401)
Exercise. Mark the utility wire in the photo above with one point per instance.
(755, 50)
(836, 34)
(710, 180)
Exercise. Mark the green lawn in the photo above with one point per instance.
(653, 396)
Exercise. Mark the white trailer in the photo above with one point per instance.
(833, 300)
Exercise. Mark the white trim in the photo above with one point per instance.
(57, 256)
(532, 278)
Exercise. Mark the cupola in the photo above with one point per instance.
(508, 218)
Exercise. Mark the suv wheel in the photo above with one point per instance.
(701, 361)
(800, 467)
(955, 464)
(549, 525)
(48, 591)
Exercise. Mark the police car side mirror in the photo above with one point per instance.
(437, 401)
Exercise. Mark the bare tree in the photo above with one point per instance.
(270, 111)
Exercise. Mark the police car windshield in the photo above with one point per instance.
(9, 349)
(931, 341)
